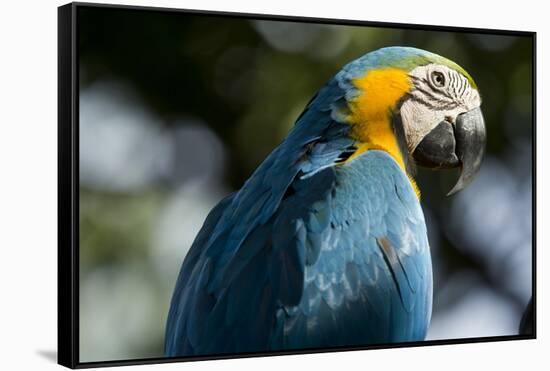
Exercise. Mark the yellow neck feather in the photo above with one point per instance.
(370, 113)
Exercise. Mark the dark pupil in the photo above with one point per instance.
(439, 79)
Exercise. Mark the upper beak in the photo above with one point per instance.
(450, 146)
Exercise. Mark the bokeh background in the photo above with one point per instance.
(176, 111)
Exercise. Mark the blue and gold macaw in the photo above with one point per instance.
(325, 244)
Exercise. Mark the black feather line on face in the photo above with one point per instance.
(399, 132)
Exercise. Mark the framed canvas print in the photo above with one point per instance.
(234, 185)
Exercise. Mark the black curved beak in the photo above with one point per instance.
(450, 146)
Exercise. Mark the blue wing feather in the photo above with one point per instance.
(399, 273)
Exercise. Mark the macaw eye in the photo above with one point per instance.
(438, 79)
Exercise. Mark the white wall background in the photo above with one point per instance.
(28, 185)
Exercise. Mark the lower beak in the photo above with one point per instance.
(450, 146)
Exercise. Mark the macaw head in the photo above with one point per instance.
(431, 104)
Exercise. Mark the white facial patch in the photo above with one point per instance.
(440, 93)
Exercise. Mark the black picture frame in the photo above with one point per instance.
(68, 183)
